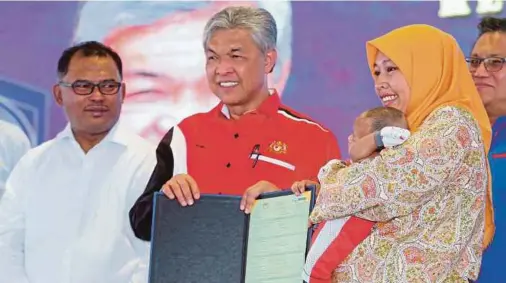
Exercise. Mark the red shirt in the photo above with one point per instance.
(272, 143)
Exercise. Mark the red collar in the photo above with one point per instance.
(269, 107)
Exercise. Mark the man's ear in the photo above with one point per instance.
(57, 95)
(278, 80)
(270, 60)
(123, 92)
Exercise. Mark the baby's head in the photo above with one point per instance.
(376, 119)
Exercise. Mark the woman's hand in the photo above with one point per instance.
(393, 136)
(299, 187)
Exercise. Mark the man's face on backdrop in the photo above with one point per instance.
(165, 70)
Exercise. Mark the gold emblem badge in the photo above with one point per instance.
(278, 147)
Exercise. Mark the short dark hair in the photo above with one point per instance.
(384, 117)
(87, 49)
(491, 24)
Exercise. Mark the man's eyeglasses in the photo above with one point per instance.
(83, 87)
(492, 64)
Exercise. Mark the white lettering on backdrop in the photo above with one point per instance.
(459, 8)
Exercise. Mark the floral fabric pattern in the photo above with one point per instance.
(428, 197)
(329, 170)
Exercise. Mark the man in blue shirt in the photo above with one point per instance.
(486, 64)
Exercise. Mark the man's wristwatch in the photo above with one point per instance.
(379, 141)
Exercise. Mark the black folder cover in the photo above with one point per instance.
(202, 243)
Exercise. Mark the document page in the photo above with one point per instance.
(277, 239)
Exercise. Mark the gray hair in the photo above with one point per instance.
(258, 21)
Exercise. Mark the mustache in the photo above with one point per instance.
(96, 107)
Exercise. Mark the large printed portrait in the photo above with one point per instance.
(164, 61)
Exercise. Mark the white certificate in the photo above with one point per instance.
(278, 239)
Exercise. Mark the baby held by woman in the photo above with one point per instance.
(336, 239)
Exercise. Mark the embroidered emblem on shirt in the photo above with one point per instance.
(278, 147)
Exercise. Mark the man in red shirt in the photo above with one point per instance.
(248, 144)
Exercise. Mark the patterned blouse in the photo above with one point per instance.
(428, 194)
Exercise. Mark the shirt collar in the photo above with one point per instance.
(268, 107)
(116, 135)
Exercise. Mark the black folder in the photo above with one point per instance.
(203, 243)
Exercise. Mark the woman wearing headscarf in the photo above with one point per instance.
(429, 193)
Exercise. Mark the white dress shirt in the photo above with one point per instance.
(64, 215)
(13, 145)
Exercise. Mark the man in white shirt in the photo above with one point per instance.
(64, 214)
(13, 144)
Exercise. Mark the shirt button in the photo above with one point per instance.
(228, 165)
(236, 135)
